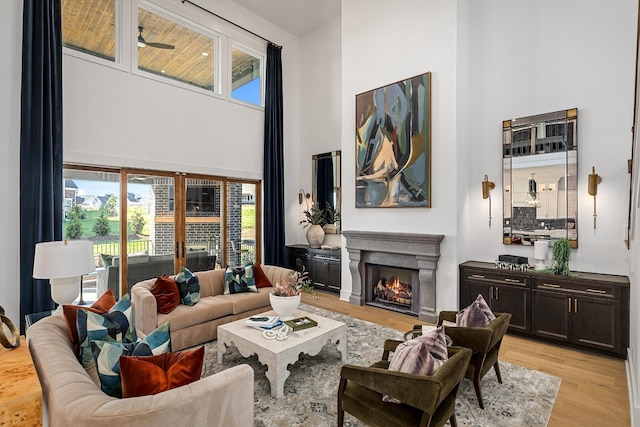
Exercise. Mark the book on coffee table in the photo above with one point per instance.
(265, 322)
(301, 323)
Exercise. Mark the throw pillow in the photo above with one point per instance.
(70, 313)
(262, 281)
(148, 375)
(239, 279)
(477, 315)
(422, 355)
(116, 325)
(107, 260)
(166, 294)
(107, 356)
(189, 286)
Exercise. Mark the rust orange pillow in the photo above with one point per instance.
(70, 313)
(167, 294)
(261, 279)
(147, 375)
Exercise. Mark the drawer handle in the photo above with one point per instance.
(550, 285)
(512, 280)
(596, 291)
(326, 257)
(477, 276)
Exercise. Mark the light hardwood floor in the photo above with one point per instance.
(593, 391)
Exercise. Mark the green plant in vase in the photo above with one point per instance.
(331, 216)
(561, 253)
(314, 216)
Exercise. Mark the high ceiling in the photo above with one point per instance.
(299, 17)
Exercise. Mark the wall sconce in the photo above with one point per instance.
(302, 195)
(594, 180)
(487, 186)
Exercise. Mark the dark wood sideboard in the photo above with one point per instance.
(323, 265)
(583, 310)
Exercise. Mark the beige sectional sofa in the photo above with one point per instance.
(70, 396)
(197, 324)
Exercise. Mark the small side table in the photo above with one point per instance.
(20, 391)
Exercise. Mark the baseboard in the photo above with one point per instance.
(631, 387)
(345, 295)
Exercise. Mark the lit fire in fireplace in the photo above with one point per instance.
(393, 290)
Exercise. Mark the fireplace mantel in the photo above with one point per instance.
(410, 250)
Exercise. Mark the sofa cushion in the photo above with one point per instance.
(166, 292)
(107, 260)
(262, 281)
(207, 309)
(239, 279)
(422, 355)
(147, 375)
(247, 301)
(189, 287)
(107, 356)
(116, 325)
(70, 313)
(476, 315)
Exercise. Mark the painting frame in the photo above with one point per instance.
(393, 145)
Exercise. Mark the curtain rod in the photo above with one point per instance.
(232, 23)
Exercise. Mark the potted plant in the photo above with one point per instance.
(561, 254)
(331, 216)
(314, 219)
(286, 295)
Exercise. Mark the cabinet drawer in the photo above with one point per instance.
(592, 289)
(495, 277)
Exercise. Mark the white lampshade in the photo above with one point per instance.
(540, 251)
(63, 263)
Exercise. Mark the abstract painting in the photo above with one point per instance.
(393, 145)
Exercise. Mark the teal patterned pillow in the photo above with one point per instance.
(107, 356)
(189, 287)
(239, 279)
(116, 325)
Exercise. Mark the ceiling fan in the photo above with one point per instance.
(143, 43)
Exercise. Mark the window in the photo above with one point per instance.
(172, 50)
(89, 26)
(246, 84)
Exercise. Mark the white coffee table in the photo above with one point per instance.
(277, 355)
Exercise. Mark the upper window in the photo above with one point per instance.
(89, 26)
(246, 84)
(171, 50)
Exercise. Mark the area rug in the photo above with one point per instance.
(526, 397)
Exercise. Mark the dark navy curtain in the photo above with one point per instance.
(274, 239)
(41, 197)
(324, 182)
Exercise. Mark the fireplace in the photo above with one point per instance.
(414, 259)
(393, 288)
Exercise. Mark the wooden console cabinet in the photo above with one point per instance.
(583, 310)
(323, 265)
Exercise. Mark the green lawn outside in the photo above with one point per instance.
(89, 222)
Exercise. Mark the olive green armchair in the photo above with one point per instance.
(427, 400)
(484, 342)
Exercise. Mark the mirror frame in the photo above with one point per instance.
(521, 142)
(337, 180)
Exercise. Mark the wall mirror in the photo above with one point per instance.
(540, 178)
(326, 181)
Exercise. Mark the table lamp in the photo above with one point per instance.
(63, 263)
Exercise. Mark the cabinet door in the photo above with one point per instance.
(470, 291)
(514, 300)
(596, 323)
(298, 259)
(551, 315)
(326, 273)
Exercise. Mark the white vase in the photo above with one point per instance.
(315, 236)
(284, 306)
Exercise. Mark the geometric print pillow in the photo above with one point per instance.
(477, 315)
(107, 356)
(422, 355)
(116, 326)
(189, 287)
(239, 279)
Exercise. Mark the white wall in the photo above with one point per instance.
(381, 45)
(10, 75)
(529, 58)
